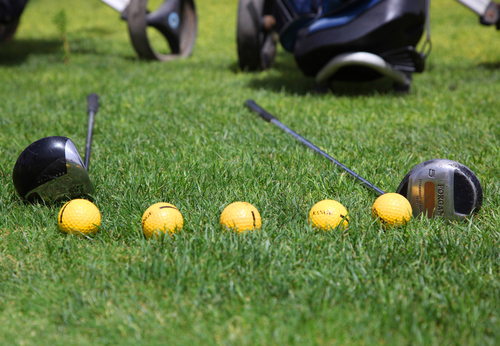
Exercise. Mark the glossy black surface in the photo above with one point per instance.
(42, 161)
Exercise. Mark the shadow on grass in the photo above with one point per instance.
(287, 83)
(382, 86)
(286, 77)
(491, 65)
(301, 85)
(15, 52)
(97, 31)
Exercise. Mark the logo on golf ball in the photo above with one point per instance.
(328, 214)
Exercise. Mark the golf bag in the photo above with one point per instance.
(10, 12)
(346, 40)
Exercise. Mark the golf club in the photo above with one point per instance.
(51, 169)
(436, 188)
(92, 106)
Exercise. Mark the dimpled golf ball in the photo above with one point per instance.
(79, 216)
(392, 209)
(328, 214)
(161, 217)
(240, 217)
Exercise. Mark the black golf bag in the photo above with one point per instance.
(346, 40)
(10, 12)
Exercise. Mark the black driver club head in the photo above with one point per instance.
(51, 170)
(442, 188)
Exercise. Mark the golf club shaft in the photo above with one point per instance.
(92, 106)
(272, 119)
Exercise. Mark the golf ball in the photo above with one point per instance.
(79, 216)
(328, 214)
(161, 217)
(392, 209)
(240, 217)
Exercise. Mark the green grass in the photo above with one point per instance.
(178, 132)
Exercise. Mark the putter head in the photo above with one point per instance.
(51, 169)
(442, 188)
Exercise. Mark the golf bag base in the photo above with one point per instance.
(362, 67)
(361, 40)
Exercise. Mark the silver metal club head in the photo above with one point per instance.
(442, 188)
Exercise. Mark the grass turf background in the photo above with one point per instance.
(178, 132)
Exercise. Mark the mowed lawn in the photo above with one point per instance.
(178, 132)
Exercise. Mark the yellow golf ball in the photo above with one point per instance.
(328, 214)
(240, 217)
(392, 209)
(79, 216)
(161, 217)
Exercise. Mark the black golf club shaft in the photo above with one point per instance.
(272, 119)
(92, 106)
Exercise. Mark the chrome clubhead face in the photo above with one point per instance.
(442, 188)
(51, 169)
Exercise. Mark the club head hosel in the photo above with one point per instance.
(260, 111)
(92, 106)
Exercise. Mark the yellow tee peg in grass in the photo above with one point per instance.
(328, 214)
(240, 217)
(79, 216)
(161, 217)
(392, 209)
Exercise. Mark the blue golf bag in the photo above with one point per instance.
(336, 40)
